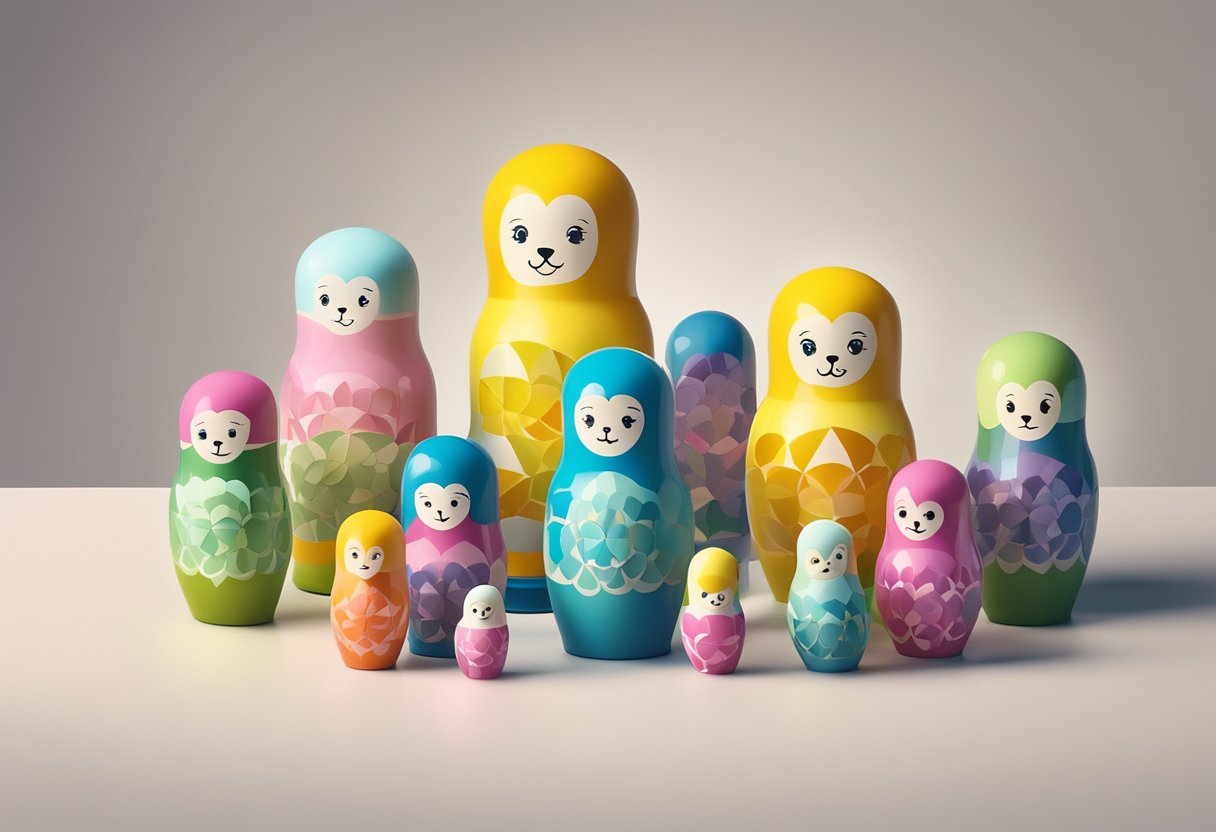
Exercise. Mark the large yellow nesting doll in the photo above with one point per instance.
(561, 231)
(832, 430)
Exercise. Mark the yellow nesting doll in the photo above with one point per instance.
(832, 430)
(561, 231)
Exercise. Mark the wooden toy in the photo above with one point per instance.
(712, 626)
(358, 392)
(1032, 479)
(619, 529)
(449, 507)
(482, 636)
(713, 368)
(369, 603)
(561, 228)
(927, 578)
(832, 429)
(827, 614)
(229, 529)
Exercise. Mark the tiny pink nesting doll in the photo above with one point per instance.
(481, 635)
(927, 577)
(712, 626)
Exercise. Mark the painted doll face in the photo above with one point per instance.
(609, 427)
(441, 508)
(479, 609)
(832, 353)
(825, 567)
(364, 563)
(714, 601)
(345, 308)
(219, 437)
(1028, 413)
(546, 245)
(917, 521)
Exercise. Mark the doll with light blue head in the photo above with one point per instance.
(453, 540)
(826, 613)
(619, 526)
(712, 362)
(358, 393)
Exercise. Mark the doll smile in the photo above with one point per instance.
(1027, 427)
(909, 529)
(606, 439)
(552, 266)
(217, 453)
(344, 322)
(832, 372)
(439, 516)
(364, 566)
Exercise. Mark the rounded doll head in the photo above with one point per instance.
(709, 333)
(825, 552)
(560, 221)
(225, 413)
(349, 278)
(713, 581)
(370, 543)
(484, 608)
(1027, 383)
(447, 480)
(928, 505)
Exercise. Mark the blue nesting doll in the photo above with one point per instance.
(712, 362)
(453, 540)
(827, 614)
(618, 527)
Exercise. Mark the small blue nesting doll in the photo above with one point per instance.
(827, 613)
(618, 527)
(712, 362)
(453, 540)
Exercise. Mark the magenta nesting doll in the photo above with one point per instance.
(927, 576)
(358, 392)
(482, 637)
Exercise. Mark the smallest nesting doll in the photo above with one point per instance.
(827, 613)
(712, 626)
(482, 636)
(927, 577)
(369, 603)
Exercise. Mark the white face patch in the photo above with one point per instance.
(719, 601)
(917, 521)
(546, 245)
(219, 437)
(345, 308)
(832, 353)
(363, 563)
(442, 508)
(1028, 413)
(826, 567)
(483, 608)
(609, 427)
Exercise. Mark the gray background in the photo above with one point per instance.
(997, 166)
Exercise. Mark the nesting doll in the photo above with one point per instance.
(369, 603)
(713, 368)
(619, 529)
(561, 227)
(482, 636)
(832, 430)
(358, 392)
(827, 615)
(449, 508)
(229, 529)
(927, 578)
(1032, 480)
(712, 625)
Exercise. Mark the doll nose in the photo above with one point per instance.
(607, 430)
(218, 444)
(1026, 418)
(832, 359)
(545, 252)
(341, 310)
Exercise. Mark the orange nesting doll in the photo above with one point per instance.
(370, 601)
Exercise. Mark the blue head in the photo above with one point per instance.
(708, 333)
(825, 552)
(617, 415)
(350, 277)
(446, 479)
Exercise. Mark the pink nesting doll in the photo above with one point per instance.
(712, 625)
(358, 393)
(927, 577)
(481, 635)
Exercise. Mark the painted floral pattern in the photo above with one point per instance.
(223, 529)
(715, 407)
(1043, 518)
(481, 654)
(367, 621)
(713, 643)
(830, 628)
(437, 593)
(925, 611)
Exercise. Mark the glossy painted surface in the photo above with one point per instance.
(369, 603)
(826, 614)
(712, 626)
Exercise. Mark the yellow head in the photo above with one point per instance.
(834, 335)
(713, 580)
(370, 542)
(560, 223)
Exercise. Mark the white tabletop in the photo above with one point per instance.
(116, 706)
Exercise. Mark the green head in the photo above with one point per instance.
(1027, 383)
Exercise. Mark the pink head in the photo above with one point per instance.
(928, 506)
(224, 412)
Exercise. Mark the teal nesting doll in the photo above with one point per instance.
(619, 525)
(1032, 480)
(229, 527)
(827, 616)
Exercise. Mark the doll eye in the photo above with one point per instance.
(704, 594)
(325, 300)
(232, 433)
(363, 301)
(574, 234)
(628, 421)
(1009, 408)
(427, 504)
(929, 515)
(589, 420)
(855, 346)
(202, 434)
(455, 503)
(839, 556)
(903, 512)
(721, 597)
(354, 555)
(814, 560)
(1044, 406)
(808, 346)
(519, 234)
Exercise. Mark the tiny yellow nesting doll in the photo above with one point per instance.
(370, 601)
(832, 430)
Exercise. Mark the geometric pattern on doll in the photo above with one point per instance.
(1039, 520)
(226, 530)
(713, 641)
(832, 473)
(618, 537)
(832, 628)
(366, 621)
(929, 609)
(714, 409)
(519, 399)
(437, 596)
